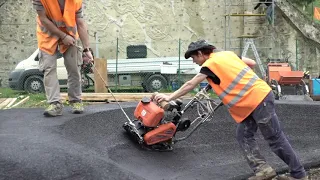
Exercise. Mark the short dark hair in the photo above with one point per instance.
(205, 51)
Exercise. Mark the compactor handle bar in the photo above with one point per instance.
(206, 107)
(207, 88)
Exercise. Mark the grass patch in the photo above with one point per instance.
(39, 100)
(35, 100)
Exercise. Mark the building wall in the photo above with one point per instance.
(157, 24)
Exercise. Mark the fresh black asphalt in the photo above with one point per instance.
(94, 146)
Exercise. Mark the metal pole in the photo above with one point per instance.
(297, 61)
(225, 24)
(179, 80)
(312, 15)
(228, 33)
(117, 51)
(97, 46)
(273, 13)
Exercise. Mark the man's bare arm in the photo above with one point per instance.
(49, 25)
(188, 86)
(250, 62)
(83, 32)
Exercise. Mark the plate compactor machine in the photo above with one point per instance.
(155, 125)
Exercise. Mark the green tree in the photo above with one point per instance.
(303, 2)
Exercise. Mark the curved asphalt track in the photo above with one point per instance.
(94, 146)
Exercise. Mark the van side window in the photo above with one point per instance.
(36, 58)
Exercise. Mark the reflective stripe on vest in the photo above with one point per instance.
(242, 91)
(59, 24)
(66, 22)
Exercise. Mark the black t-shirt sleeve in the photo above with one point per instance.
(210, 74)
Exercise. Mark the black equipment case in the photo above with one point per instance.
(136, 51)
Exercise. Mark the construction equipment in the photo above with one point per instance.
(280, 76)
(156, 125)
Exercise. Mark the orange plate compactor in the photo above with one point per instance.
(155, 126)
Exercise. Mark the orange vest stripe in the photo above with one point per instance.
(49, 42)
(234, 82)
(241, 90)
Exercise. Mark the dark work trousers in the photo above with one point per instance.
(265, 118)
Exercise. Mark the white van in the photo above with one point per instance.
(27, 76)
(153, 74)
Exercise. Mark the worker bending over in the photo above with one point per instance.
(250, 102)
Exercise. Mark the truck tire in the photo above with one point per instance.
(156, 82)
(34, 84)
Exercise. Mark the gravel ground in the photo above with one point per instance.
(314, 174)
(93, 145)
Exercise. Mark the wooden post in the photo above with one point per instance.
(100, 75)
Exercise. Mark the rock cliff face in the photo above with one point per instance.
(309, 37)
(293, 36)
(157, 24)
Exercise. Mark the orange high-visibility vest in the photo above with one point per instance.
(240, 89)
(47, 41)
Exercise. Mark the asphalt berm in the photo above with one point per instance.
(94, 146)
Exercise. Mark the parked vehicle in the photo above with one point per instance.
(26, 75)
(153, 74)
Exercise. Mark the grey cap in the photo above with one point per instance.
(194, 46)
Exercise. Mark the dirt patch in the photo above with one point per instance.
(314, 174)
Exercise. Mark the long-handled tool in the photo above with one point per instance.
(132, 129)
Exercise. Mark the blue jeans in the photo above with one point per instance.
(265, 118)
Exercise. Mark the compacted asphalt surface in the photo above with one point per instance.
(94, 146)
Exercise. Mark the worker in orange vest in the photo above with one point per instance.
(250, 102)
(60, 24)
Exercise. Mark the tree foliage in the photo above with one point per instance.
(303, 2)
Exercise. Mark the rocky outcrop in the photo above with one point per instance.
(299, 20)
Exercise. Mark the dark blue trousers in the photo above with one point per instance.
(265, 118)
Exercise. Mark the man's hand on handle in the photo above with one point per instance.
(87, 57)
(161, 97)
(68, 40)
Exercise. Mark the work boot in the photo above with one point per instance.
(54, 109)
(288, 177)
(77, 108)
(266, 173)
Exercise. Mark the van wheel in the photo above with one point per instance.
(34, 84)
(156, 83)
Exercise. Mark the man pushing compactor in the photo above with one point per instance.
(250, 102)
